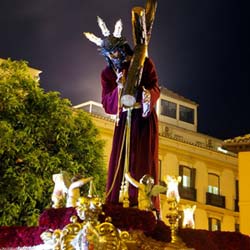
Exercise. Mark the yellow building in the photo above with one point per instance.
(209, 173)
(241, 146)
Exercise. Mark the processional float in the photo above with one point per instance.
(90, 233)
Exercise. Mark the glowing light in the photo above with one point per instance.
(222, 150)
(188, 220)
(172, 190)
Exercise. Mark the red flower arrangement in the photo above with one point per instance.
(218, 240)
(17, 236)
(129, 218)
(161, 232)
(56, 218)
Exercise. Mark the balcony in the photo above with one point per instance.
(187, 193)
(215, 200)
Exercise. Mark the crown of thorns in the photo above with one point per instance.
(110, 41)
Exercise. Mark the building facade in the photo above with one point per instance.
(241, 146)
(209, 173)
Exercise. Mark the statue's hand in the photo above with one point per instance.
(146, 99)
(146, 95)
(119, 79)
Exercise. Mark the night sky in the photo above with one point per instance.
(200, 49)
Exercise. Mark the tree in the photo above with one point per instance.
(40, 134)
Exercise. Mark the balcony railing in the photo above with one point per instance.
(187, 193)
(215, 200)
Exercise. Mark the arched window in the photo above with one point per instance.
(213, 183)
(188, 176)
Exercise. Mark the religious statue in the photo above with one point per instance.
(146, 190)
(61, 184)
(67, 190)
(73, 192)
(130, 90)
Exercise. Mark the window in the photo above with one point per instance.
(168, 108)
(214, 224)
(213, 196)
(186, 114)
(188, 176)
(213, 184)
(187, 186)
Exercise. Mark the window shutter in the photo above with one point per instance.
(181, 174)
(193, 175)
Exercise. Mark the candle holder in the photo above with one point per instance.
(173, 215)
(173, 218)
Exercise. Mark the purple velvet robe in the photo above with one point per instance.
(144, 133)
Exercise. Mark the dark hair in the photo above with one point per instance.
(147, 179)
(128, 49)
(112, 43)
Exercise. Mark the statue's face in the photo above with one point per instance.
(117, 57)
